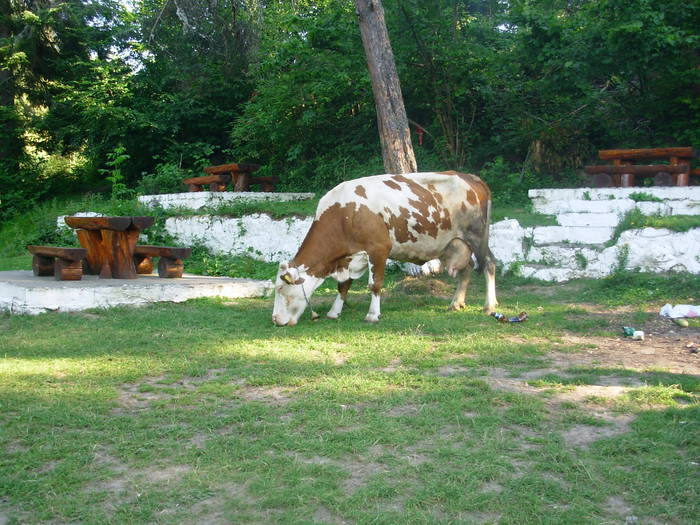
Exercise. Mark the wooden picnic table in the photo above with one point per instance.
(675, 170)
(218, 177)
(110, 243)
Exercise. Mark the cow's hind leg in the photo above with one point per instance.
(490, 276)
(377, 268)
(463, 278)
(340, 299)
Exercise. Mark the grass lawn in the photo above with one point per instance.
(205, 413)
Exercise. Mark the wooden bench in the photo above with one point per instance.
(625, 167)
(65, 264)
(170, 265)
(218, 177)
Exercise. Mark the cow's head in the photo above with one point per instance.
(293, 288)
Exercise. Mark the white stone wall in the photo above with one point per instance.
(199, 199)
(257, 235)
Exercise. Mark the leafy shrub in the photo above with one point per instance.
(641, 196)
(509, 185)
(166, 179)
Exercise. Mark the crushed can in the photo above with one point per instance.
(501, 318)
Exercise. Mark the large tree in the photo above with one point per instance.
(394, 132)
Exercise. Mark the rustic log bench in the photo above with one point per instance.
(170, 265)
(218, 177)
(65, 264)
(623, 172)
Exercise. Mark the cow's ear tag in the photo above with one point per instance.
(287, 278)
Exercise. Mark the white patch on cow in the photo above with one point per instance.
(337, 308)
(356, 268)
(374, 309)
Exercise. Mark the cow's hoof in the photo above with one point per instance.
(489, 309)
(372, 319)
(332, 315)
(456, 307)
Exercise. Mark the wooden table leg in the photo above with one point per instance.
(119, 246)
(242, 181)
(91, 240)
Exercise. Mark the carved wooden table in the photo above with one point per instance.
(110, 243)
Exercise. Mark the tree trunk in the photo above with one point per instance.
(394, 132)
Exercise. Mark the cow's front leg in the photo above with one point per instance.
(340, 299)
(377, 267)
(463, 278)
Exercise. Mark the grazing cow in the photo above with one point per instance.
(361, 223)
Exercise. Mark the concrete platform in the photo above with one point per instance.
(21, 292)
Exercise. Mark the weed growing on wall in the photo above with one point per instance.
(641, 196)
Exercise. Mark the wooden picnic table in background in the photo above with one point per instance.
(240, 175)
(676, 170)
(110, 243)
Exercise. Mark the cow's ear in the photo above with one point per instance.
(283, 267)
(287, 278)
(299, 280)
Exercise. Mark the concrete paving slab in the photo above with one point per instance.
(21, 292)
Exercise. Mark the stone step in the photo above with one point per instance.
(608, 194)
(596, 220)
(618, 207)
(543, 235)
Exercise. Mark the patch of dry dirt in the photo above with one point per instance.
(358, 468)
(272, 395)
(139, 396)
(584, 435)
(669, 350)
(324, 515)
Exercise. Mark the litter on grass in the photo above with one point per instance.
(680, 310)
(501, 318)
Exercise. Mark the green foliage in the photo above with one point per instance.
(641, 196)
(167, 178)
(116, 158)
(276, 210)
(203, 262)
(509, 186)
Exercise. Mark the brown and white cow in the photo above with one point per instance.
(361, 223)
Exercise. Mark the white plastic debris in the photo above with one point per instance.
(680, 310)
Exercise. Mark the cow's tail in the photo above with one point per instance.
(483, 253)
